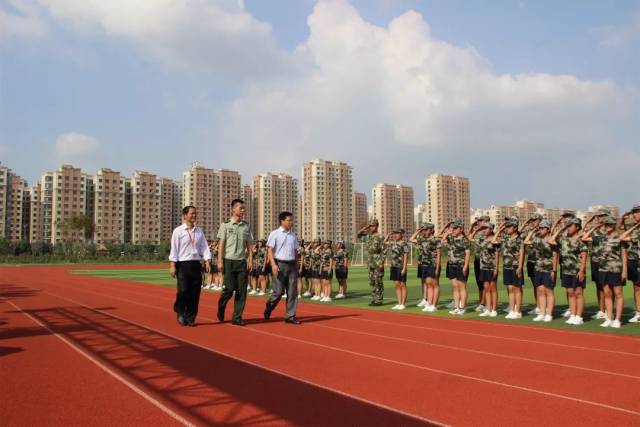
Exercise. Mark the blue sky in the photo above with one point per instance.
(521, 96)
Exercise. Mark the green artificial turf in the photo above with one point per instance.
(358, 295)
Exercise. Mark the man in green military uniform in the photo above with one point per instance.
(234, 261)
(374, 244)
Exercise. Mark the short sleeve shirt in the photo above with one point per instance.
(611, 260)
(570, 249)
(544, 252)
(397, 251)
(457, 247)
(427, 250)
(511, 247)
(235, 235)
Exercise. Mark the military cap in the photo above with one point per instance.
(456, 223)
(511, 223)
(318, 240)
(326, 242)
(569, 213)
(635, 208)
(396, 231)
(374, 222)
(602, 212)
(485, 218)
(513, 218)
(535, 216)
(545, 224)
(427, 225)
(575, 221)
(609, 220)
(486, 225)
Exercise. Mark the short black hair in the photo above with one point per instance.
(284, 215)
(234, 202)
(186, 209)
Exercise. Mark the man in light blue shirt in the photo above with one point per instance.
(283, 255)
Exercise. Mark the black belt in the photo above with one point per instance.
(190, 261)
(286, 262)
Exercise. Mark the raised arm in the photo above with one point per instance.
(587, 235)
(414, 236)
(626, 236)
(529, 239)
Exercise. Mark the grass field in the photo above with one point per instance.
(358, 296)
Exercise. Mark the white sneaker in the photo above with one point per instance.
(452, 304)
(401, 307)
(427, 308)
(284, 296)
(570, 320)
(511, 315)
(493, 313)
(480, 308)
(306, 294)
(615, 324)
(635, 318)
(327, 299)
(534, 311)
(422, 303)
(485, 313)
(261, 293)
(606, 323)
(567, 313)
(395, 307)
(339, 296)
(539, 318)
(600, 315)
(461, 311)
(455, 311)
(315, 298)
(518, 315)
(547, 318)
(577, 320)
(252, 292)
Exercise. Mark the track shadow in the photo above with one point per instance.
(210, 387)
(9, 291)
(5, 351)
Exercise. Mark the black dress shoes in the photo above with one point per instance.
(221, 316)
(375, 304)
(239, 322)
(267, 313)
(292, 320)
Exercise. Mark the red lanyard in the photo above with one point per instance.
(192, 239)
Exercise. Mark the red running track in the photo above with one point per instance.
(79, 350)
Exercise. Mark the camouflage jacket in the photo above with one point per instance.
(456, 248)
(307, 258)
(259, 255)
(427, 247)
(340, 258)
(611, 260)
(511, 247)
(315, 259)
(397, 250)
(633, 246)
(486, 251)
(570, 249)
(477, 242)
(597, 240)
(326, 255)
(529, 250)
(544, 251)
(376, 252)
(300, 251)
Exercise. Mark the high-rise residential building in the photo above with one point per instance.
(145, 208)
(359, 215)
(247, 196)
(18, 210)
(327, 199)
(227, 188)
(5, 199)
(448, 197)
(198, 191)
(68, 202)
(167, 208)
(109, 203)
(272, 194)
(526, 208)
(177, 203)
(35, 221)
(418, 215)
(393, 207)
(211, 193)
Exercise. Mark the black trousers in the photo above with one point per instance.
(235, 281)
(189, 274)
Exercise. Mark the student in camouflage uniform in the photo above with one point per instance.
(573, 263)
(398, 250)
(429, 254)
(631, 239)
(487, 253)
(478, 237)
(341, 265)
(307, 268)
(531, 224)
(300, 257)
(261, 266)
(459, 250)
(214, 277)
(326, 270)
(513, 260)
(374, 245)
(612, 270)
(546, 264)
(315, 268)
(596, 249)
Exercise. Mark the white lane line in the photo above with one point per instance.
(108, 370)
(234, 357)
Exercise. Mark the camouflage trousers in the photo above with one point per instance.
(377, 287)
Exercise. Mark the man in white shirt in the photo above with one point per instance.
(283, 255)
(189, 248)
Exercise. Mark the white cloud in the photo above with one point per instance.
(76, 147)
(22, 18)
(620, 37)
(217, 36)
